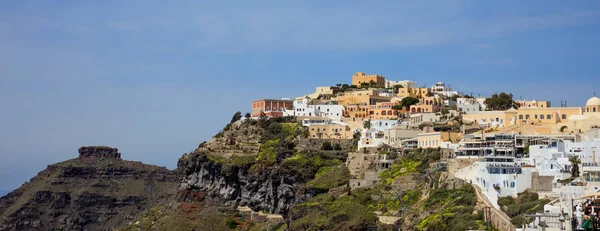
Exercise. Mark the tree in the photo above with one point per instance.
(364, 85)
(337, 146)
(367, 124)
(397, 107)
(237, 116)
(326, 146)
(445, 111)
(408, 101)
(338, 85)
(575, 161)
(262, 117)
(429, 94)
(372, 83)
(500, 102)
(248, 115)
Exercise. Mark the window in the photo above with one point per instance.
(535, 116)
(542, 116)
(564, 116)
(526, 117)
(520, 117)
(548, 116)
(512, 184)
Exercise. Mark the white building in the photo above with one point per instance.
(376, 134)
(403, 83)
(468, 105)
(302, 107)
(441, 89)
(424, 117)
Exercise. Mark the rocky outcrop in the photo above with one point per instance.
(273, 190)
(97, 191)
(99, 152)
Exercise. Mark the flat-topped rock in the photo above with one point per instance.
(99, 152)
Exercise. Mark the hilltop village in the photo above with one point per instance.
(504, 147)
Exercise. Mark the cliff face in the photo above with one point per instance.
(273, 191)
(97, 191)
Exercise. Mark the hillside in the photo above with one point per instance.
(96, 191)
(261, 174)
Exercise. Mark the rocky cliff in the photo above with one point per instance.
(97, 191)
(273, 191)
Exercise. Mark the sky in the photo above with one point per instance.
(156, 78)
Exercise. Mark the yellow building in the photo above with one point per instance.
(589, 119)
(330, 131)
(593, 105)
(359, 77)
(434, 139)
(361, 97)
(550, 115)
(492, 118)
(532, 103)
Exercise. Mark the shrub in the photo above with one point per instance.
(326, 146)
(231, 223)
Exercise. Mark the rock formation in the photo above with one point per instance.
(97, 191)
(99, 152)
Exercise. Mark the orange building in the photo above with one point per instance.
(271, 107)
(383, 111)
(357, 111)
(428, 104)
(360, 77)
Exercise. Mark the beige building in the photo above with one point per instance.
(434, 139)
(359, 77)
(533, 103)
(361, 97)
(330, 131)
(592, 105)
(550, 115)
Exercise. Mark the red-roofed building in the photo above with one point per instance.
(271, 107)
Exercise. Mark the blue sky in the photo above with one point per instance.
(155, 78)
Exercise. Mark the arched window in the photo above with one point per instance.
(587, 109)
(527, 116)
(520, 117)
(389, 113)
(549, 116)
(535, 116)
(564, 116)
(594, 109)
(383, 113)
(542, 116)
(512, 184)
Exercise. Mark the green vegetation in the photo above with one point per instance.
(231, 223)
(575, 161)
(237, 116)
(268, 152)
(400, 169)
(500, 102)
(325, 212)
(326, 146)
(406, 102)
(455, 206)
(329, 177)
(525, 203)
(307, 164)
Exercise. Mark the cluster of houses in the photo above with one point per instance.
(528, 147)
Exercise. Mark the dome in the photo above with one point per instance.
(594, 101)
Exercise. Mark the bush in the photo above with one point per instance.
(326, 146)
(231, 223)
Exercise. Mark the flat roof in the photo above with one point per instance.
(290, 100)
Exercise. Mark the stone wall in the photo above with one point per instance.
(541, 183)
